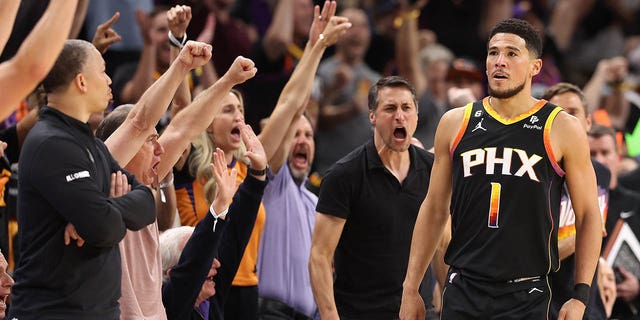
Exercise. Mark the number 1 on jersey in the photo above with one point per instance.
(494, 205)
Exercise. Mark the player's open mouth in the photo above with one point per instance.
(500, 76)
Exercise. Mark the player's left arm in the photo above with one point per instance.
(571, 148)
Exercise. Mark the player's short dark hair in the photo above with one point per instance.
(390, 82)
(522, 29)
(70, 62)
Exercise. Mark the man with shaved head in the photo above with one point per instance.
(67, 175)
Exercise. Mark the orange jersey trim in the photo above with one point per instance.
(463, 128)
(487, 107)
(547, 141)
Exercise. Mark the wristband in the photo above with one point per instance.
(581, 293)
(216, 216)
(178, 43)
(258, 173)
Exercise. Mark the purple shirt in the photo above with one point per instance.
(286, 242)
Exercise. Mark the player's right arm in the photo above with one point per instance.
(326, 235)
(432, 217)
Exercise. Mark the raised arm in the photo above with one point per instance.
(280, 33)
(181, 289)
(609, 72)
(432, 217)
(105, 36)
(36, 56)
(243, 211)
(125, 142)
(407, 46)
(296, 92)
(179, 18)
(570, 144)
(195, 118)
(566, 18)
(616, 103)
(143, 77)
(494, 12)
(185, 279)
(8, 11)
(209, 74)
(78, 18)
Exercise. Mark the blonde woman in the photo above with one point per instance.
(196, 188)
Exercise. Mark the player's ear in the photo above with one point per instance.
(536, 66)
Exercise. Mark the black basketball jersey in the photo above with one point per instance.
(506, 194)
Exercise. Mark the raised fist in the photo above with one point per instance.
(241, 70)
(195, 54)
(179, 18)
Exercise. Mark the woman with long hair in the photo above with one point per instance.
(196, 188)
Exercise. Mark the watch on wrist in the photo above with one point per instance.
(258, 172)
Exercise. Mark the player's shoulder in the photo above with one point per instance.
(561, 119)
(456, 114)
(452, 122)
(567, 125)
(452, 119)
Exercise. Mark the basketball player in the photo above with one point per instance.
(501, 181)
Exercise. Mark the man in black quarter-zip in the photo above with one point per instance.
(68, 176)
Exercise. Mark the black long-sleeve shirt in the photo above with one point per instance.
(65, 178)
(180, 291)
